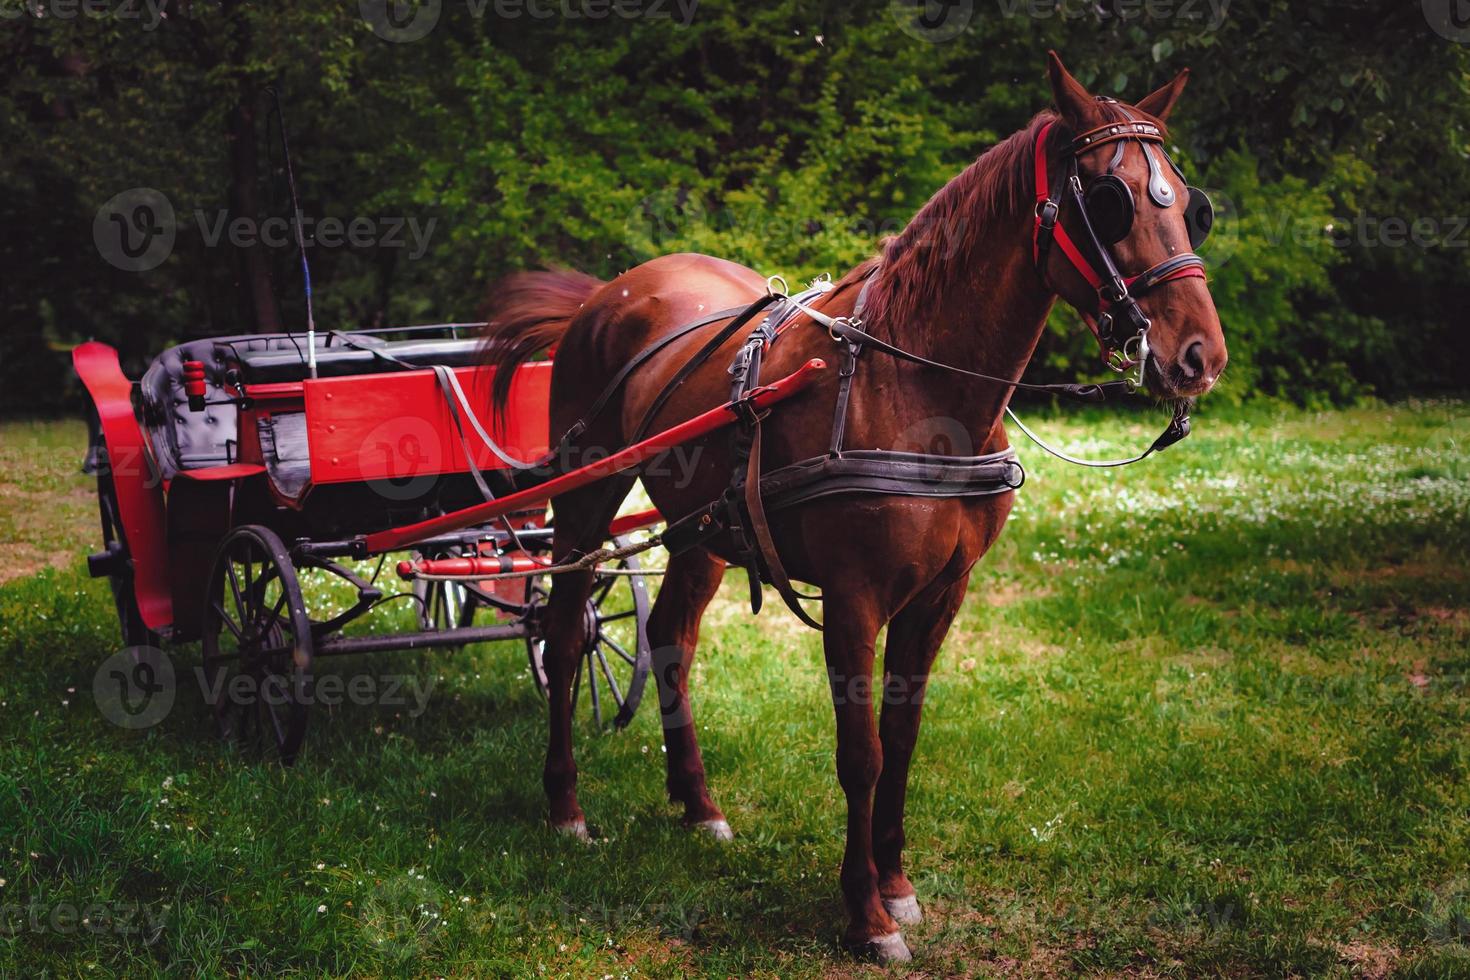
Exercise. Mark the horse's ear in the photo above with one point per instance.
(1159, 104)
(1073, 101)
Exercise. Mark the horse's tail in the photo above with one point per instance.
(527, 312)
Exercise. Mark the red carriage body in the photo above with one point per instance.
(238, 465)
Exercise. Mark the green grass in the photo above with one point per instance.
(1204, 715)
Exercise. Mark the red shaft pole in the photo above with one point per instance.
(633, 522)
(624, 459)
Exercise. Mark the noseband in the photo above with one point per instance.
(1119, 322)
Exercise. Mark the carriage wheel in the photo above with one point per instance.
(444, 605)
(134, 632)
(257, 643)
(615, 657)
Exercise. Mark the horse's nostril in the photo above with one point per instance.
(1193, 359)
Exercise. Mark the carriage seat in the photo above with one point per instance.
(185, 440)
(359, 357)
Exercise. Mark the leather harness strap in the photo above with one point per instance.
(1117, 297)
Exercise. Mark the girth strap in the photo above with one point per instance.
(756, 510)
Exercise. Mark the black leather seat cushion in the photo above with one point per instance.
(280, 364)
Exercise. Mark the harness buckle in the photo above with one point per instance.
(835, 328)
(1047, 212)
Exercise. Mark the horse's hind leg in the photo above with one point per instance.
(690, 583)
(581, 520)
(914, 638)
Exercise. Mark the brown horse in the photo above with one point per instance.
(958, 285)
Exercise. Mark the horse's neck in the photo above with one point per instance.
(987, 317)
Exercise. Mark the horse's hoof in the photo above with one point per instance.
(884, 949)
(577, 829)
(905, 911)
(718, 829)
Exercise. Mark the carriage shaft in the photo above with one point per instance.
(625, 459)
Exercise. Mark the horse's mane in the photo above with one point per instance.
(915, 266)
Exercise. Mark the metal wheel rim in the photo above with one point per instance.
(255, 624)
(614, 663)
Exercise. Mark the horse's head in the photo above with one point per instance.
(1126, 225)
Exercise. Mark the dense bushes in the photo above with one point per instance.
(789, 137)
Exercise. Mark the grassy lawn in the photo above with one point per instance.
(1204, 715)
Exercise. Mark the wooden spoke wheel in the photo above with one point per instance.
(258, 644)
(120, 567)
(615, 657)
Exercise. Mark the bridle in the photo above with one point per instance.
(1106, 211)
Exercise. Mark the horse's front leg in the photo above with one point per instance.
(851, 628)
(690, 583)
(914, 638)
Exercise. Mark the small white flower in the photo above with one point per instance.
(321, 908)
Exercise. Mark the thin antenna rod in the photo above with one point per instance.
(300, 238)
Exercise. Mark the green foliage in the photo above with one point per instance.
(789, 137)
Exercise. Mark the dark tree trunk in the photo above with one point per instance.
(253, 277)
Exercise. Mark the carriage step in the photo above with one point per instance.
(106, 563)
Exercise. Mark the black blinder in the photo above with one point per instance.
(1110, 208)
(1199, 217)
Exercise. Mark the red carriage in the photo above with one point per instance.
(238, 467)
